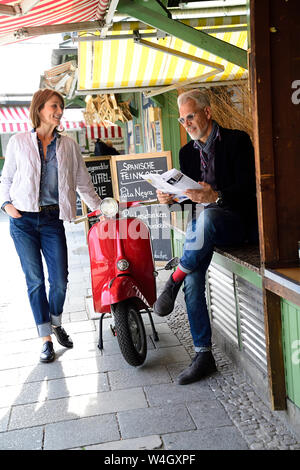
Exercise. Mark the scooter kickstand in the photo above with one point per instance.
(155, 335)
(100, 341)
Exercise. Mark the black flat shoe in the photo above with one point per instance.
(47, 354)
(62, 337)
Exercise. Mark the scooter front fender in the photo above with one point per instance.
(120, 288)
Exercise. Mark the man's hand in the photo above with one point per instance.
(164, 198)
(204, 194)
(12, 211)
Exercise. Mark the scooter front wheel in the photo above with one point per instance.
(131, 333)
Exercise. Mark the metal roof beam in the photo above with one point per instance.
(188, 34)
(9, 10)
(19, 9)
(182, 55)
(31, 31)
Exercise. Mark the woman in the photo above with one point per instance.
(42, 172)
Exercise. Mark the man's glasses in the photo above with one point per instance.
(189, 117)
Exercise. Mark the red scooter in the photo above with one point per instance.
(123, 275)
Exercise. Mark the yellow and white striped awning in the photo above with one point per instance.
(120, 64)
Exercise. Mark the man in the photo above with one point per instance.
(105, 148)
(222, 162)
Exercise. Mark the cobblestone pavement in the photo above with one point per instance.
(261, 427)
(92, 399)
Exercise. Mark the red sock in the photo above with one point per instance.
(178, 275)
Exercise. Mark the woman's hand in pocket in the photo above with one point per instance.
(12, 211)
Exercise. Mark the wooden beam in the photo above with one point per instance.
(260, 80)
(274, 66)
(276, 375)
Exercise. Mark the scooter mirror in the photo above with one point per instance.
(172, 263)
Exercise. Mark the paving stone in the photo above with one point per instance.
(140, 443)
(19, 360)
(80, 326)
(4, 417)
(138, 377)
(72, 386)
(222, 438)
(167, 355)
(152, 420)
(23, 393)
(111, 345)
(81, 432)
(23, 439)
(81, 315)
(172, 393)
(208, 413)
(64, 409)
(166, 340)
(161, 328)
(15, 347)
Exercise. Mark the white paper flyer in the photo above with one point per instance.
(172, 182)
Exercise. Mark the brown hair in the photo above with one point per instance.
(38, 102)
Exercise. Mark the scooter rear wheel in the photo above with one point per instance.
(131, 333)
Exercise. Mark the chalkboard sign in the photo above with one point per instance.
(78, 205)
(127, 171)
(99, 169)
(157, 217)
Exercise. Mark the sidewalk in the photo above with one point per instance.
(94, 400)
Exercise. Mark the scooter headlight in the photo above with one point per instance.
(109, 207)
(122, 264)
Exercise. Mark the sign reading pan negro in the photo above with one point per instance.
(127, 171)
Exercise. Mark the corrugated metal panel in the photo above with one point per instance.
(222, 301)
(251, 317)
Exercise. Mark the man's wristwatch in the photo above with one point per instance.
(219, 199)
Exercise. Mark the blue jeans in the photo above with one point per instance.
(214, 226)
(36, 234)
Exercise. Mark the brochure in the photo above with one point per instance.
(172, 182)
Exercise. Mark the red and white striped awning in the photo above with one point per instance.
(49, 12)
(16, 119)
(101, 132)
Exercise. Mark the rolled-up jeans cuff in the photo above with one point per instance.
(45, 329)
(56, 320)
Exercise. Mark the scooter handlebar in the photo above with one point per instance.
(78, 220)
